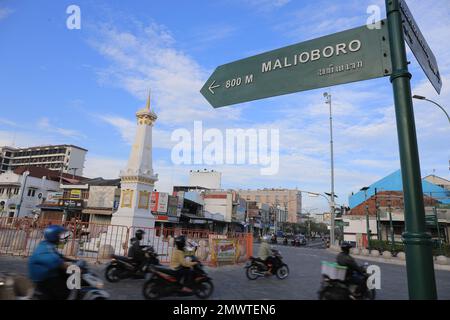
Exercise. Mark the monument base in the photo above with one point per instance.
(133, 221)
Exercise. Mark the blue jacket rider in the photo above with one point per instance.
(47, 266)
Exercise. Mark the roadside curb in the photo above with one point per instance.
(392, 261)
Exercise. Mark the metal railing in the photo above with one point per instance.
(96, 241)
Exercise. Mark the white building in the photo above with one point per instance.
(206, 179)
(104, 198)
(355, 228)
(219, 203)
(6, 154)
(62, 158)
(23, 189)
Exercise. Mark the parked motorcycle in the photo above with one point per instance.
(122, 267)
(163, 282)
(256, 267)
(91, 286)
(337, 289)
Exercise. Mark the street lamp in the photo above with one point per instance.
(315, 194)
(327, 96)
(367, 216)
(423, 98)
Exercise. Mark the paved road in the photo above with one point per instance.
(303, 282)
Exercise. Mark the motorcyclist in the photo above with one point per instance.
(47, 266)
(181, 265)
(265, 253)
(135, 251)
(355, 273)
(274, 238)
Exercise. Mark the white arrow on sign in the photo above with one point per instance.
(212, 86)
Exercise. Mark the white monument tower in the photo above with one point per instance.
(138, 179)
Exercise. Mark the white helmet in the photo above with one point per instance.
(266, 238)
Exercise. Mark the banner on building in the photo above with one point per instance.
(224, 250)
(75, 194)
(180, 196)
(172, 206)
(159, 202)
(71, 203)
(54, 197)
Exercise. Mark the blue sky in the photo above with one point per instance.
(83, 86)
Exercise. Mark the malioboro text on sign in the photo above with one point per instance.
(348, 56)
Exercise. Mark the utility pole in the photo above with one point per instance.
(332, 204)
(418, 245)
(367, 216)
(391, 227)
(368, 227)
(377, 213)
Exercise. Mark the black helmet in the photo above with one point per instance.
(139, 233)
(180, 242)
(346, 246)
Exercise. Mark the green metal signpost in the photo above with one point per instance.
(418, 245)
(353, 55)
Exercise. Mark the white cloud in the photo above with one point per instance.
(8, 122)
(201, 38)
(44, 124)
(126, 128)
(23, 139)
(127, 131)
(267, 5)
(100, 166)
(148, 58)
(5, 12)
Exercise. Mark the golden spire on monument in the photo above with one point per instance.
(146, 115)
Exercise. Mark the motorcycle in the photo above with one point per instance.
(256, 267)
(336, 289)
(298, 241)
(15, 287)
(163, 282)
(274, 240)
(122, 267)
(91, 286)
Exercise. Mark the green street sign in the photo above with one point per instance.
(419, 47)
(352, 55)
